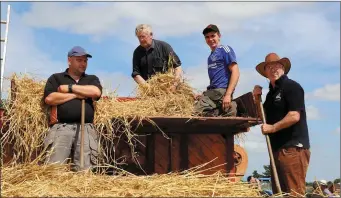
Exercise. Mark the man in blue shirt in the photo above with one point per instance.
(223, 72)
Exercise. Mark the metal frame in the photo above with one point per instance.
(3, 58)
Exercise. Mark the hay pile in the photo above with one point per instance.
(54, 180)
(26, 118)
(27, 115)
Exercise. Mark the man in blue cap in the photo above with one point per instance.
(64, 93)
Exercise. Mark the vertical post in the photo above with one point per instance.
(82, 135)
(184, 152)
(170, 145)
(229, 145)
(150, 153)
(5, 50)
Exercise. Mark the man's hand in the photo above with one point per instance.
(226, 101)
(268, 128)
(80, 96)
(172, 88)
(197, 96)
(63, 89)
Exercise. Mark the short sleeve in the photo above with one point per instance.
(230, 56)
(95, 81)
(50, 86)
(136, 65)
(294, 97)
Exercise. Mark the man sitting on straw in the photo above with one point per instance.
(223, 72)
(152, 56)
(66, 91)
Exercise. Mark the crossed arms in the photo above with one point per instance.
(79, 91)
(56, 94)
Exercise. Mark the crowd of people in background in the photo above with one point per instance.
(321, 188)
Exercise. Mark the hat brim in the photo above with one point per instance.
(283, 61)
(81, 54)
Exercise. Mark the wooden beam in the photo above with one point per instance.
(183, 152)
(150, 153)
(230, 168)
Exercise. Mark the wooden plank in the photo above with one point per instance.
(203, 146)
(161, 153)
(170, 145)
(150, 153)
(184, 152)
(175, 152)
(229, 154)
(195, 157)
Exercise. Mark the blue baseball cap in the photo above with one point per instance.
(78, 51)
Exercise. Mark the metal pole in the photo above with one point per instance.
(272, 161)
(82, 135)
(5, 50)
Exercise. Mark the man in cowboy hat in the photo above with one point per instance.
(286, 124)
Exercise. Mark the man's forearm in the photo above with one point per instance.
(178, 73)
(139, 80)
(290, 119)
(233, 79)
(57, 98)
(88, 91)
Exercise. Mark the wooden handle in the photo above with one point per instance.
(82, 135)
(272, 161)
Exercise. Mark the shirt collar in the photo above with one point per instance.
(278, 82)
(152, 46)
(67, 74)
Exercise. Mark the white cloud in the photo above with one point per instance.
(312, 113)
(119, 19)
(107, 18)
(24, 56)
(330, 92)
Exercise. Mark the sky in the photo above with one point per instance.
(308, 33)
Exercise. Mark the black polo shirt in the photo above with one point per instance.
(147, 62)
(287, 95)
(70, 112)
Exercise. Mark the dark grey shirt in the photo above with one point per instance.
(147, 62)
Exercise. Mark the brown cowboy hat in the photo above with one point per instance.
(272, 58)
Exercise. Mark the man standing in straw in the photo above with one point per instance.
(152, 57)
(65, 91)
(223, 72)
(286, 124)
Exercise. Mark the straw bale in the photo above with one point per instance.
(26, 118)
(27, 115)
(55, 180)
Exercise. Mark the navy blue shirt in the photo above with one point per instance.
(218, 63)
(287, 95)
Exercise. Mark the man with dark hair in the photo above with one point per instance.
(64, 92)
(223, 73)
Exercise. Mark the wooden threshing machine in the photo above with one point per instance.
(193, 141)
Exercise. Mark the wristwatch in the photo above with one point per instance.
(70, 88)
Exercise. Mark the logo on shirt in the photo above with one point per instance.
(214, 57)
(212, 66)
(278, 97)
